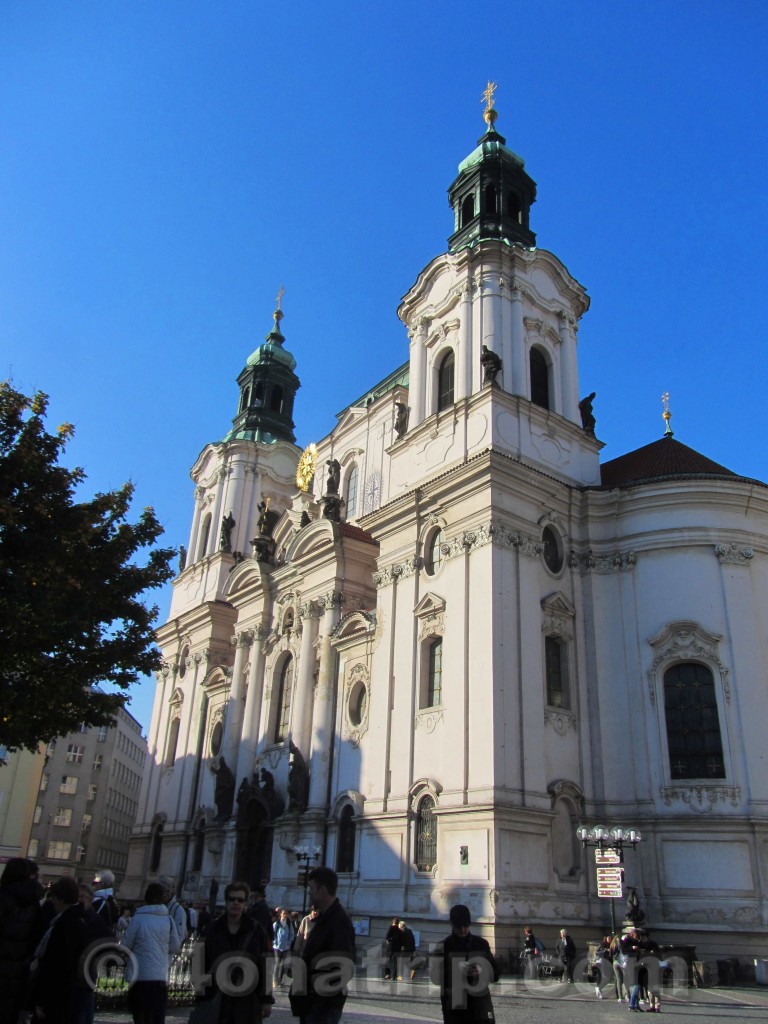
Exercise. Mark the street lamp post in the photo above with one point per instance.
(306, 856)
(609, 846)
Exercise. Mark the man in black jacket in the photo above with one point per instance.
(463, 972)
(328, 955)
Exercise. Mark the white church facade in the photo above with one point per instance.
(430, 646)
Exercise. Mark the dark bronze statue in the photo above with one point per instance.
(491, 364)
(588, 420)
(224, 794)
(182, 558)
(635, 913)
(334, 476)
(298, 781)
(227, 526)
(401, 418)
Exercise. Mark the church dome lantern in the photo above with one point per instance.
(492, 195)
(268, 387)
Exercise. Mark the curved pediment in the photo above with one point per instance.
(315, 539)
(246, 580)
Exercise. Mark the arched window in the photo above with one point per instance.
(426, 834)
(258, 393)
(553, 549)
(467, 210)
(245, 398)
(204, 535)
(434, 555)
(156, 848)
(693, 723)
(352, 479)
(199, 848)
(445, 382)
(276, 399)
(489, 199)
(173, 740)
(513, 204)
(539, 379)
(345, 856)
(434, 694)
(556, 667)
(284, 696)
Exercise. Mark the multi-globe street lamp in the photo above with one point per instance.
(609, 844)
(306, 856)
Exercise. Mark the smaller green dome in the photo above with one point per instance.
(272, 351)
(490, 145)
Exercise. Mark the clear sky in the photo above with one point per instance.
(166, 165)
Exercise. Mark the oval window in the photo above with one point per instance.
(183, 658)
(358, 703)
(216, 738)
(553, 550)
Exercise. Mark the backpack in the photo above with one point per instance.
(540, 947)
(108, 910)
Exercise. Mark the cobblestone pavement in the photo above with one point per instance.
(517, 1004)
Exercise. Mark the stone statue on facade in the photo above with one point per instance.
(224, 794)
(588, 420)
(401, 419)
(182, 558)
(635, 913)
(334, 476)
(490, 364)
(227, 526)
(298, 781)
(331, 501)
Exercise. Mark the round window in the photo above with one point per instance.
(553, 550)
(358, 703)
(434, 556)
(216, 737)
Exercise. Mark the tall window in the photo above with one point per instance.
(693, 723)
(63, 816)
(173, 740)
(426, 834)
(68, 784)
(556, 665)
(539, 378)
(204, 535)
(156, 849)
(59, 850)
(284, 696)
(435, 673)
(445, 382)
(434, 555)
(352, 492)
(345, 858)
(467, 210)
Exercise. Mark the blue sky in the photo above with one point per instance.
(167, 165)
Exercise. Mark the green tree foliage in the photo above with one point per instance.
(71, 585)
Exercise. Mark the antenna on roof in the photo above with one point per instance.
(666, 415)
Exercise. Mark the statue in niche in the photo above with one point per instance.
(263, 521)
(182, 558)
(334, 476)
(401, 419)
(298, 781)
(635, 913)
(244, 794)
(491, 364)
(270, 795)
(227, 526)
(224, 794)
(588, 420)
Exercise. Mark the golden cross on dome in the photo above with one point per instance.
(280, 295)
(666, 415)
(490, 89)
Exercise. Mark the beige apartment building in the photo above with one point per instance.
(88, 800)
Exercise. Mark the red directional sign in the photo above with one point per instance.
(607, 856)
(609, 882)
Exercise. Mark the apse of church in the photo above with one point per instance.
(430, 644)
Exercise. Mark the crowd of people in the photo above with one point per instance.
(46, 976)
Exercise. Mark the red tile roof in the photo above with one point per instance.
(663, 458)
(347, 530)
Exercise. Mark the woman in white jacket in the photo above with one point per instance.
(151, 936)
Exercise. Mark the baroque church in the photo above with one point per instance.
(431, 645)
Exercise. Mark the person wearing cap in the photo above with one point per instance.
(464, 966)
(104, 902)
(175, 909)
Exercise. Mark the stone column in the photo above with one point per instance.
(304, 690)
(252, 713)
(418, 384)
(322, 721)
(464, 362)
(233, 721)
(519, 365)
(505, 341)
(569, 374)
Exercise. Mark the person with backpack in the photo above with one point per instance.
(104, 902)
(175, 909)
(532, 949)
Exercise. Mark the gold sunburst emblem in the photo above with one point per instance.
(305, 471)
